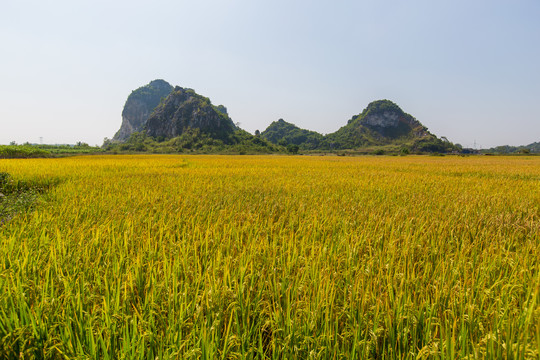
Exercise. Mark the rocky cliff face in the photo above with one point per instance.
(388, 120)
(184, 109)
(139, 106)
(384, 119)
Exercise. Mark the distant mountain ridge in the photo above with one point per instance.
(533, 148)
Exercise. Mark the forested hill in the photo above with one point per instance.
(533, 148)
(284, 133)
(381, 123)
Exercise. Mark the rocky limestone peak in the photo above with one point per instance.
(382, 113)
(185, 109)
(388, 120)
(160, 84)
(139, 105)
(382, 122)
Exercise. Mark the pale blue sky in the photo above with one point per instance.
(468, 70)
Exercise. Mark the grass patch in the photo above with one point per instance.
(17, 196)
(22, 152)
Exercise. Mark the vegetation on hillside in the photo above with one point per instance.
(195, 141)
(284, 133)
(362, 133)
(184, 109)
(152, 93)
(408, 133)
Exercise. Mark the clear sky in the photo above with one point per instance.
(468, 70)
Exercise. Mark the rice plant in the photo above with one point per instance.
(273, 257)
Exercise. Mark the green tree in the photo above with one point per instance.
(293, 148)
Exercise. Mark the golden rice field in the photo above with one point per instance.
(274, 257)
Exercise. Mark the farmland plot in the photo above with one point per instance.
(253, 257)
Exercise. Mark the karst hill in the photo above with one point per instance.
(162, 112)
(139, 105)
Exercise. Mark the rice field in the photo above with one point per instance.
(274, 257)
